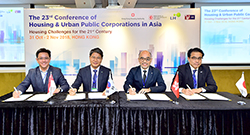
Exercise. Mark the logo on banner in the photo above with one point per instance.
(132, 17)
(189, 17)
(175, 16)
(18, 11)
(157, 17)
(151, 17)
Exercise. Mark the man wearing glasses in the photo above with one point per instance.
(142, 79)
(94, 77)
(195, 77)
(39, 76)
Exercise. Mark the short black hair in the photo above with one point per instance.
(96, 50)
(43, 50)
(194, 50)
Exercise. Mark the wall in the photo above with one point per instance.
(226, 80)
(10, 80)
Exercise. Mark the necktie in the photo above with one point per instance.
(144, 75)
(194, 79)
(94, 79)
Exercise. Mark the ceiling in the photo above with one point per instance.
(72, 2)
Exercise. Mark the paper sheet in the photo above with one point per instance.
(136, 97)
(96, 95)
(158, 96)
(77, 96)
(214, 96)
(21, 98)
(193, 97)
(39, 97)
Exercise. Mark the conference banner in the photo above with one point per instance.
(121, 33)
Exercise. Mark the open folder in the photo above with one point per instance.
(21, 98)
(77, 96)
(205, 96)
(40, 97)
(193, 97)
(136, 97)
(214, 96)
(159, 96)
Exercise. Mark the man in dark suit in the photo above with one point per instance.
(94, 77)
(143, 78)
(39, 76)
(195, 77)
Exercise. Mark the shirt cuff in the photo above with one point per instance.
(180, 89)
(203, 90)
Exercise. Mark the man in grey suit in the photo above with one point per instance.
(143, 78)
(94, 77)
(39, 76)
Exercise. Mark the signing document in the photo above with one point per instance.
(77, 96)
(96, 95)
(21, 98)
(157, 96)
(136, 97)
(214, 96)
(39, 97)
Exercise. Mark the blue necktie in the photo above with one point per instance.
(194, 79)
(94, 79)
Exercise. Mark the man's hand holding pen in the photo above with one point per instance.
(190, 91)
(131, 90)
(72, 91)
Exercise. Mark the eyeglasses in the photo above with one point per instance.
(147, 59)
(195, 58)
(43, 58)
(98, 58)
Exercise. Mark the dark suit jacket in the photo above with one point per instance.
(34, 78)
(134, 79)
(84, 76)
(205, 78)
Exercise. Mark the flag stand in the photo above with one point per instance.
(241, 102)
(176, 102)
(240, 84)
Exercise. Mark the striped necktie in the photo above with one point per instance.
(194, 79)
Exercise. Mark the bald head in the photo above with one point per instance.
(145, 52)
(145, 59)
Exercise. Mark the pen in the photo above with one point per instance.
(131, 87)
(15, 88)
(188, 86)
(72, 88)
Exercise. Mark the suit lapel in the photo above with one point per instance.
(100, 77)
(200, 71)
(149, 75)
(89, 77)
(138, 73)
(189, 76)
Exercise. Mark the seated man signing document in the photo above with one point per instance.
(142, 79)
(39, 76)
(94, 77)
(195, 77)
